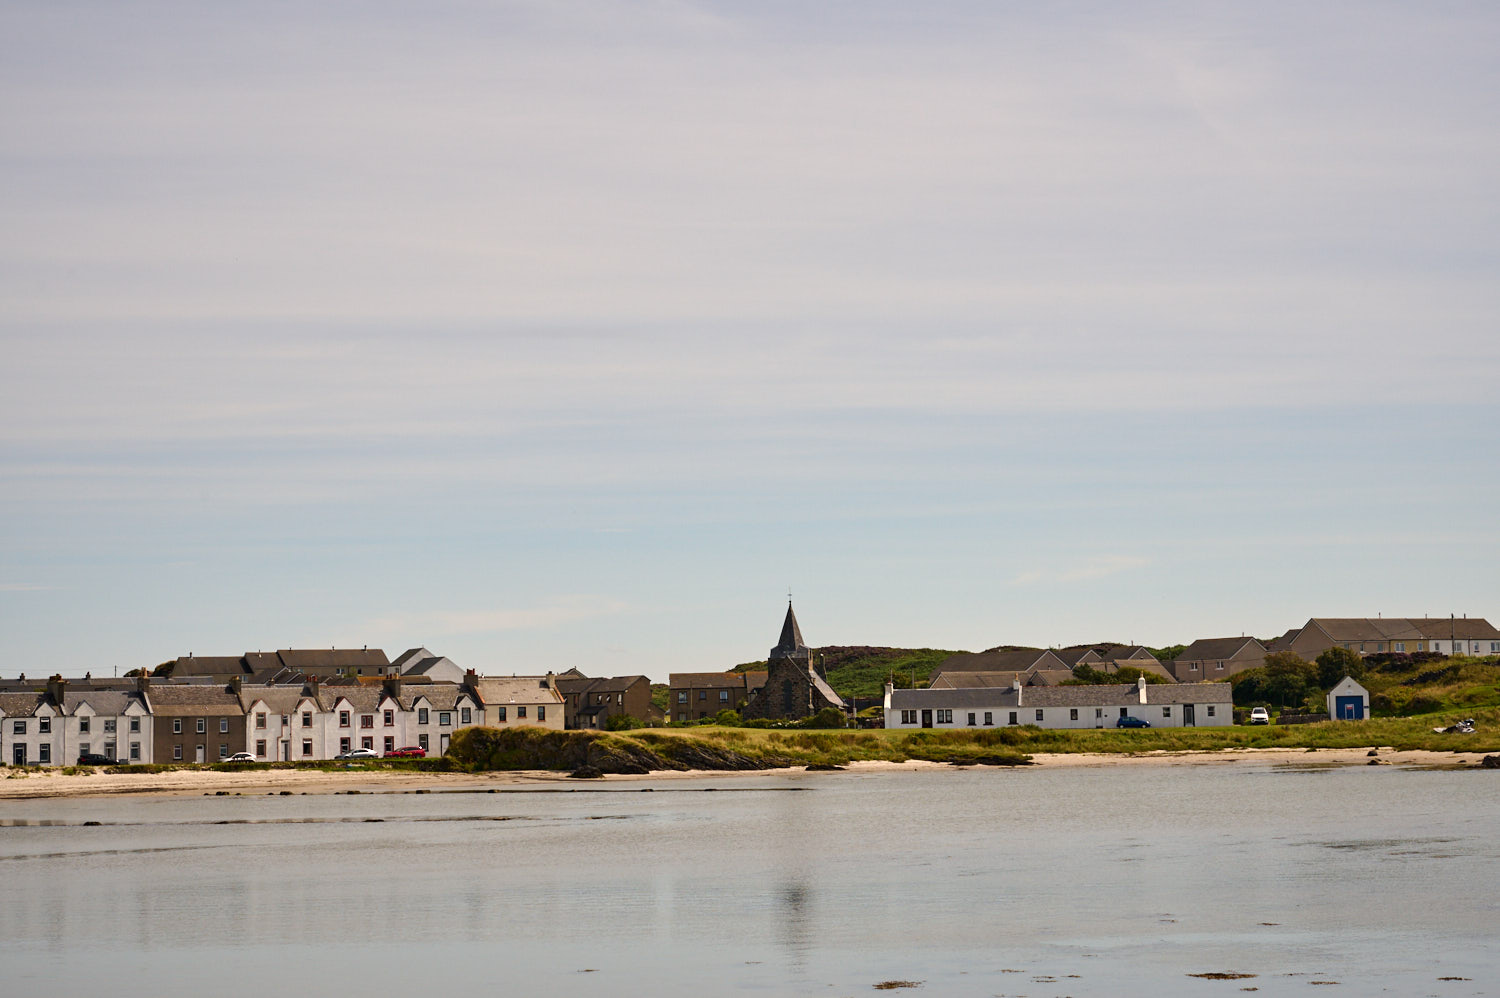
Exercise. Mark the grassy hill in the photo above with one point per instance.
(862, 670)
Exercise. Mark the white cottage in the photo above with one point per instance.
(1164, 705)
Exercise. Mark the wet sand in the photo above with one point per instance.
(199, 782)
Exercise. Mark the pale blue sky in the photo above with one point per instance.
(572, 334)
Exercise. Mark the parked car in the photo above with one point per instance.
(95, 759)
(358, 753)
(1259, 715)
(241, 757)
(407, 751)
(1132, 722)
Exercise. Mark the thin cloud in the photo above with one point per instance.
(563, 610)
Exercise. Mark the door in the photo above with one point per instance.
(286, 751)
(18, 753)
(443, 743)
(1349, 708)
(1189, 718)
(201, 750)
(926, 718)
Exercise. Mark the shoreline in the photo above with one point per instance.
(53, 785)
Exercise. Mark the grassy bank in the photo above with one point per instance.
(650, 750)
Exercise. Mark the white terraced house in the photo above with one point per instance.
(1168, 705)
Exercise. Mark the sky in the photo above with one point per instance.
(572, 334)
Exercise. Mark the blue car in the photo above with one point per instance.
(1132, 722)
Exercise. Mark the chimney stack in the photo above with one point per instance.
(143, 682)
(1140, 687)
(57, 687)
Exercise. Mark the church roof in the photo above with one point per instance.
(790, 644)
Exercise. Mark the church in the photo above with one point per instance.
(794, 688)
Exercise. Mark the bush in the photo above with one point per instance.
(828, 717)
(622, 722)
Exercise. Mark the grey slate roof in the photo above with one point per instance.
(514, 689)
(1463, 628)
(710, 680)
(180, 701)
(1003, 660)
(1219, 649)
(108, 702)
(20, 704)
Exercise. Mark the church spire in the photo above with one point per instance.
(791, 644)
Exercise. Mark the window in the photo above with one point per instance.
(908, 717)
(343, 718)
(945, 717)
(989, 717)
(176, 751)
(135, 725)
(1123, 712)
(19, 728)
(681, 716)
(260, 721)
(44, 724)
(702, 695)
(422, 741)
(1013, 718)
(83, 748)
(307, 718)
(1098, 712)
(44, 753)
(109, 725)
(1039, 713)
(520, 713)
(176, 725)
(1218, 666)
(223, 725)
(1166, 712)
(368, 743)
(541, 711)
(464, 717)
(620, 697)
(1210, 710)
(1072, 713)
(223, 750)
(1193, 667)
(389, 718)
(109, 749)
(135, 751)
(1398, 646)
(422, 715)
(682, 696)
(343, 744)
(260, 746)
(286, 722)
(499, 713)
(367, 720)
(723, 696)
(306, 747)
(83, 725)
(202, 725)
(972, 719)
(390, 744)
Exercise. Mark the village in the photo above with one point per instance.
(323, 705)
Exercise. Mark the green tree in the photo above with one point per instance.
(1337, 662)
(1289, 676)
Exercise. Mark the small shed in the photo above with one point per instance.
(1348, 701)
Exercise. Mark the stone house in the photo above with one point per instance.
(793, 688)
(693, 696)
(512, 701)
(196, 723)
(589, 703)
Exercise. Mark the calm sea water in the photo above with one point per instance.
(1076, 882)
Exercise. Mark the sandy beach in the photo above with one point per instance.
(54, 783)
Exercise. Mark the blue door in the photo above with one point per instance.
(1349, 708)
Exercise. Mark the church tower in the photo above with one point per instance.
(794, 689)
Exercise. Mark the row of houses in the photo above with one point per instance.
(158, 722)
(1159, 704)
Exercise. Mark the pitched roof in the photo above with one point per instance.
(790, 645)
(821, 685)
(515, 689)
(1463, 628)
(178, 701)
(441, 696)
(616, 684)
(1002, 660)
(324, 659)
(962, 679)
(108, 702)
(210, 665)
(278, 699)
(711, 680)
(20, 704)
(1217, 649)
(1366, 628)
(411, 654)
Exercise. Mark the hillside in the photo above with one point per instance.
(862, 670)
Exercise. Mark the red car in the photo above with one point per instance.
(409, 751)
